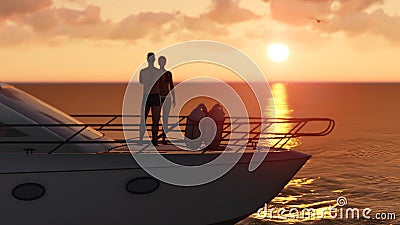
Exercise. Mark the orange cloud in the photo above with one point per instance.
(300, 11)
(51, 17)
(344, 6)
(142, 24)
(352, 17)
(41, 21)
(79, 2)
(13, 8)
(221, 14)
(228, 12)
(13, 34)
(90, 15)
(203, 24)
(376, 22)
(37, 20)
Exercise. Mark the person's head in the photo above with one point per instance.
(150, 58)
(162, 61)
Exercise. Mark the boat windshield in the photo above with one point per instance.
(48, 110)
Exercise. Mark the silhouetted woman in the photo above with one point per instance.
(166, 86)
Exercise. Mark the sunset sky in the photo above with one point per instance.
(105, 41)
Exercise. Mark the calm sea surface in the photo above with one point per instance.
(359, 160)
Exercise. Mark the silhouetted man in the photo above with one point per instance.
(149, 77)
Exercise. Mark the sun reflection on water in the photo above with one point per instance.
(299, 191)
(290, 199)
(282, 110)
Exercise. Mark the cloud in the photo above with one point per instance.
(343, 6)
(52, 17)
(216, 20)
(202, 24)
(13, 34)
(87, 23)
(90, 15)
(43, 20)
(353, 17)
(228, 12)
(297, 12)
(53, 22)
(11, 8)
(375, 22)
(142, 24)
(79, 2)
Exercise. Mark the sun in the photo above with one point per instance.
(278, 52)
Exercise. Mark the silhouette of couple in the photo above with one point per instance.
(157, 84)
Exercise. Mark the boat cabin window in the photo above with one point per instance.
(48, 111)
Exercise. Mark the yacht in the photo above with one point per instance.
(57, 170)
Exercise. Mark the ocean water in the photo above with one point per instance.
(359, 161)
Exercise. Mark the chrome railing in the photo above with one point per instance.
(255, 136)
